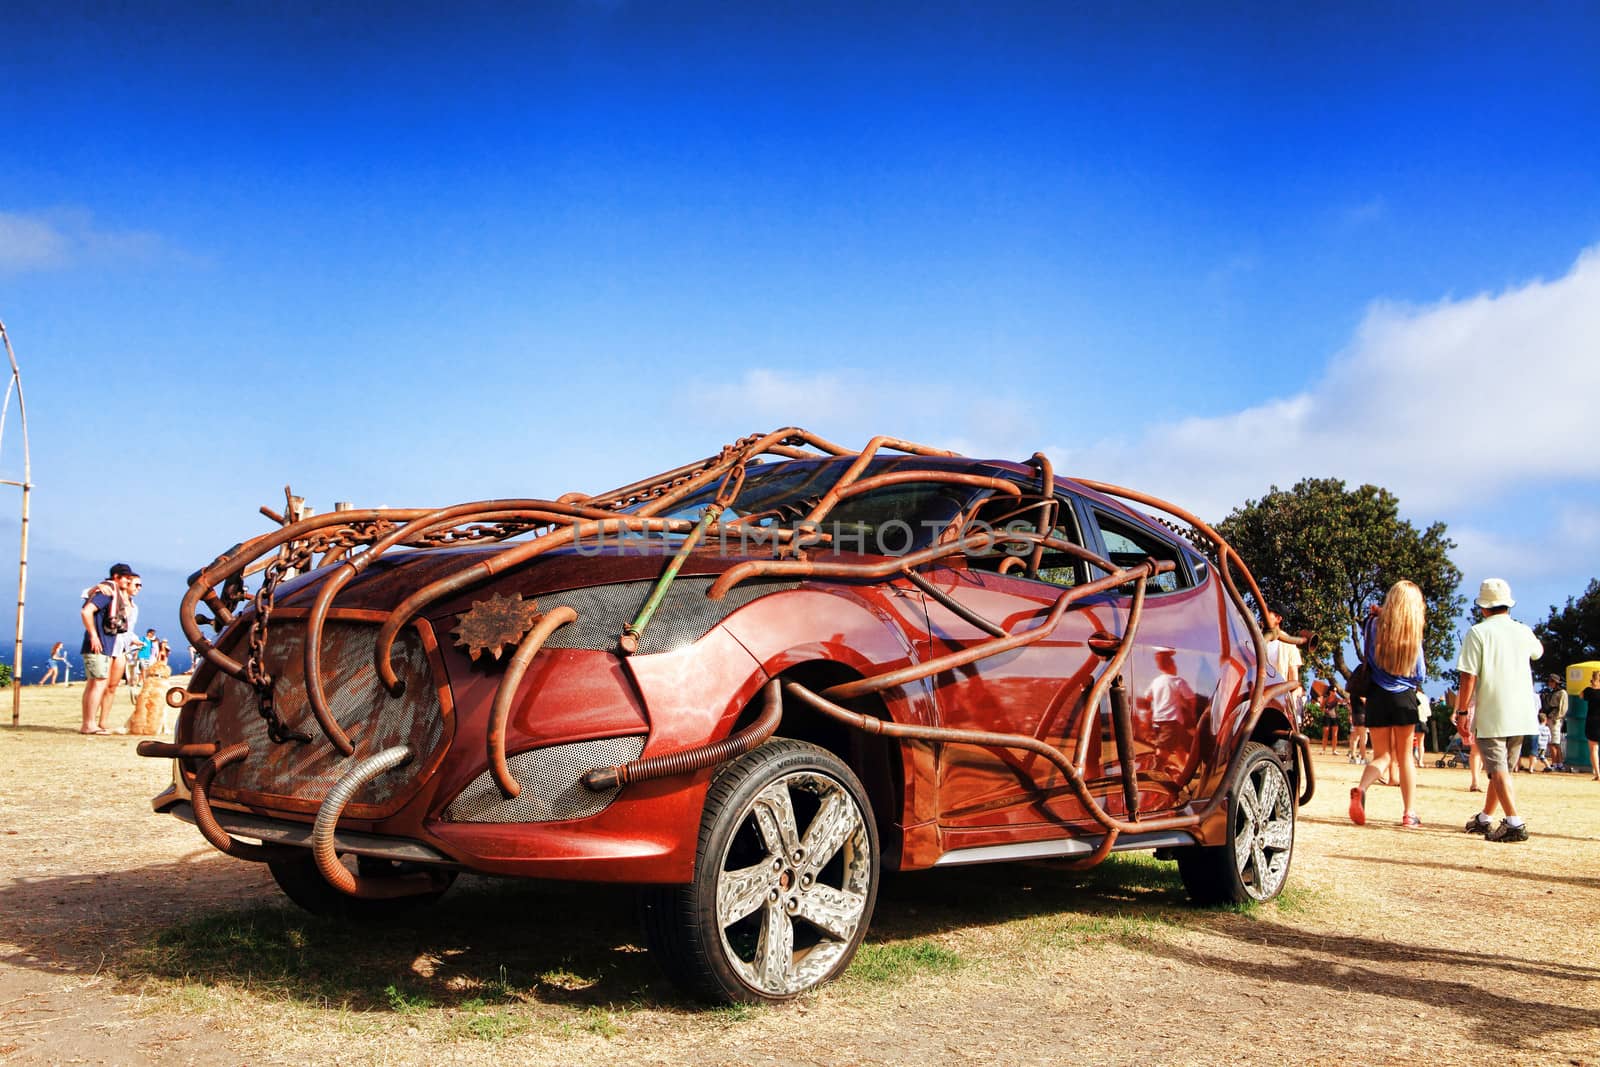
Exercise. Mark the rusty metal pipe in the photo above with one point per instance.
(878, 481)
(684, 761)
(1047, 489)
(737, 454)
(861, 462)
(349, 569)
(1227, 556)
(210, 829)
(1093, 859)
(239, 558)
(955, 606)
(323, 851)
(804, 568)
(1122, 728)
(1113, 668)
(691, 477)
(996, 646)
(179, 697)
(168, 750)
(500, 712)
(1022, 742)
(483, 570)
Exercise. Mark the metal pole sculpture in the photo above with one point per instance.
(26, 485)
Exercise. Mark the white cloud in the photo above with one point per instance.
(1451, 406)
(29, 243)
(1444, 405)
(56, 239)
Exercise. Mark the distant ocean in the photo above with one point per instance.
(36, 658)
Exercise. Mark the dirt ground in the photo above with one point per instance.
(124, 939)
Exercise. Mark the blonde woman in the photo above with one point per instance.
(1393, 655)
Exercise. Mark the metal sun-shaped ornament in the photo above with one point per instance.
(492, 624)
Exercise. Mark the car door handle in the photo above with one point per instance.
(1104, 644)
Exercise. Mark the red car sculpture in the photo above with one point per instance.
(750, 685)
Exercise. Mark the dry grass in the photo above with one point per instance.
(125, 939)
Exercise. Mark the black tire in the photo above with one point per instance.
(302, 883)
(829, 876)
(1216, 874)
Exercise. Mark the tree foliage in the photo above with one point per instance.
(1322, 553)
(1572, 634)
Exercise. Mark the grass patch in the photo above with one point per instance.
(736, 1013)
(1076, 931)
(599, 1021)
(405, 1002)
(1293, 900)
(478, 1021)
(901, 960)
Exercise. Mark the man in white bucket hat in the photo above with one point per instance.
(1494, 669)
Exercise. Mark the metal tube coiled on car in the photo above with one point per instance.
(692, 759)
(333, 805)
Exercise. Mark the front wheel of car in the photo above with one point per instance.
(304, 884)
(785, 880)
(1253, 864)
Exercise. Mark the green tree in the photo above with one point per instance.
(1572, 634)
(1322, 553)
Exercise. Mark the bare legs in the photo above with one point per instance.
(1501, 794)
(1391, 747)
(109, 693)
(93, 690)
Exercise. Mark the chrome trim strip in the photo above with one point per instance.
(280, 832)
(1058, 849)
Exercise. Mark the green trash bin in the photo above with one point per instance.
(1577, 754)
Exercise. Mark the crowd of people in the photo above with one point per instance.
(114, 654)
(1503, 726)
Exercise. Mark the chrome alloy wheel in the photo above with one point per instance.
(795, 883)
(1263, 835)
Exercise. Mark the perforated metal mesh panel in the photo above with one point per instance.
(684, 617)
(371, 718)
(551, 784)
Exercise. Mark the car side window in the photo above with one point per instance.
(1127, 545)
(1030, 513)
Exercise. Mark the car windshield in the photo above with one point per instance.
(890, 521)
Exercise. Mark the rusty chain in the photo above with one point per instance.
(290, 556)
(659, 489)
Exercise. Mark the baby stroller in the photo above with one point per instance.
(1455, 754)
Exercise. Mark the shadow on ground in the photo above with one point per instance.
(1463, 980)
(213, 922)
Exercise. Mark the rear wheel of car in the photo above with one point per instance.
(1254, 862)
(785, 880)
(302, 883)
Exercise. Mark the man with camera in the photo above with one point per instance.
(105, 615)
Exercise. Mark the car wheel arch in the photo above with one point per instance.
(877, 761)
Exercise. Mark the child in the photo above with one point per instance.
(1542, 743)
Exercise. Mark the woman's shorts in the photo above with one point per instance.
(1386, 709)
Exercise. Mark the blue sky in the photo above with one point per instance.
(452, 252)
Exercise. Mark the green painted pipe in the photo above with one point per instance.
(629, 641)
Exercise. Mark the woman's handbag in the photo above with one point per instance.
(1360, 682)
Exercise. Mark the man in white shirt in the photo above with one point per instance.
(1494, 664)
(1283, 652)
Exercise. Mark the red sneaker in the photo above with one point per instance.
(1358, 810)
(1410, 821)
